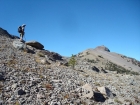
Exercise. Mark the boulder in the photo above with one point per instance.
(55, 56)
(35, 44)
(99, 97)
(51, 55)
(94, 68)
(18, 44)
(21, 92)
(87, 91)
(105, 91)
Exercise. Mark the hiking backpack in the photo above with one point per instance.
(20, 29)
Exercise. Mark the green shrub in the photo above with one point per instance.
(91, 61)
(113, 67)
(100, 56)
(72, 61)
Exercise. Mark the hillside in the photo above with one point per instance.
(31, 75)
(102, 56)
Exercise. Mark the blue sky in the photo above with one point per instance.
(71, 26)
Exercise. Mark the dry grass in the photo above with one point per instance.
(41, 76)
(11, 62)
(40, 54)
(37, 59)
(25, 51)
(81, 83)
(49, 86)
(66, 96)
(97, 84)
(0, 49)
(118, 101)
(48, 66)
(127, 100)
(1, 86)
(17, 103)
(83, 103)
(27, 69)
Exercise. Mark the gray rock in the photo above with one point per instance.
(14, 86)
(18, 44)
(21, 92)
(105, 91)
(45, 61)
(1, 78)
(35, 44)
(103, 48)
(1, 102)
(55, 103)
(87, 91)
(40, 96)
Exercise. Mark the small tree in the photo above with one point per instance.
(72, 61)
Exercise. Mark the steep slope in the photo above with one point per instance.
(30, 76)
(104, 54)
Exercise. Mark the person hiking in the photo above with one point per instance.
(21, 30)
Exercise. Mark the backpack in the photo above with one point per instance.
(20, 29)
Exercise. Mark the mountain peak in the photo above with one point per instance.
(104, 48)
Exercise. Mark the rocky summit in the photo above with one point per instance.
(31, 75)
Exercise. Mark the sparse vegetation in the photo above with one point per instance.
(48, 66)
(66, 96)
(37, 60)
(118, 101)
(91, 61)
(123, 57)
(72, 62)
(25, 50)
(97, 60)
(49, 86)
(87, 53)
(40, 54)
(1, 86)
(100, 56)
(12, 62)
(17, 103)
(97, 84)
(114, 67)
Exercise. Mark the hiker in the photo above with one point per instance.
(21, 31)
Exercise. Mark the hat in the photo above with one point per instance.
(23, 25)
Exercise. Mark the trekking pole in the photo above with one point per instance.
(24, 38)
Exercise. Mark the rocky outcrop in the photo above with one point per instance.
(18, 44)
(5, 33)
(35, 44)
(50, 55)
(102, 48)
